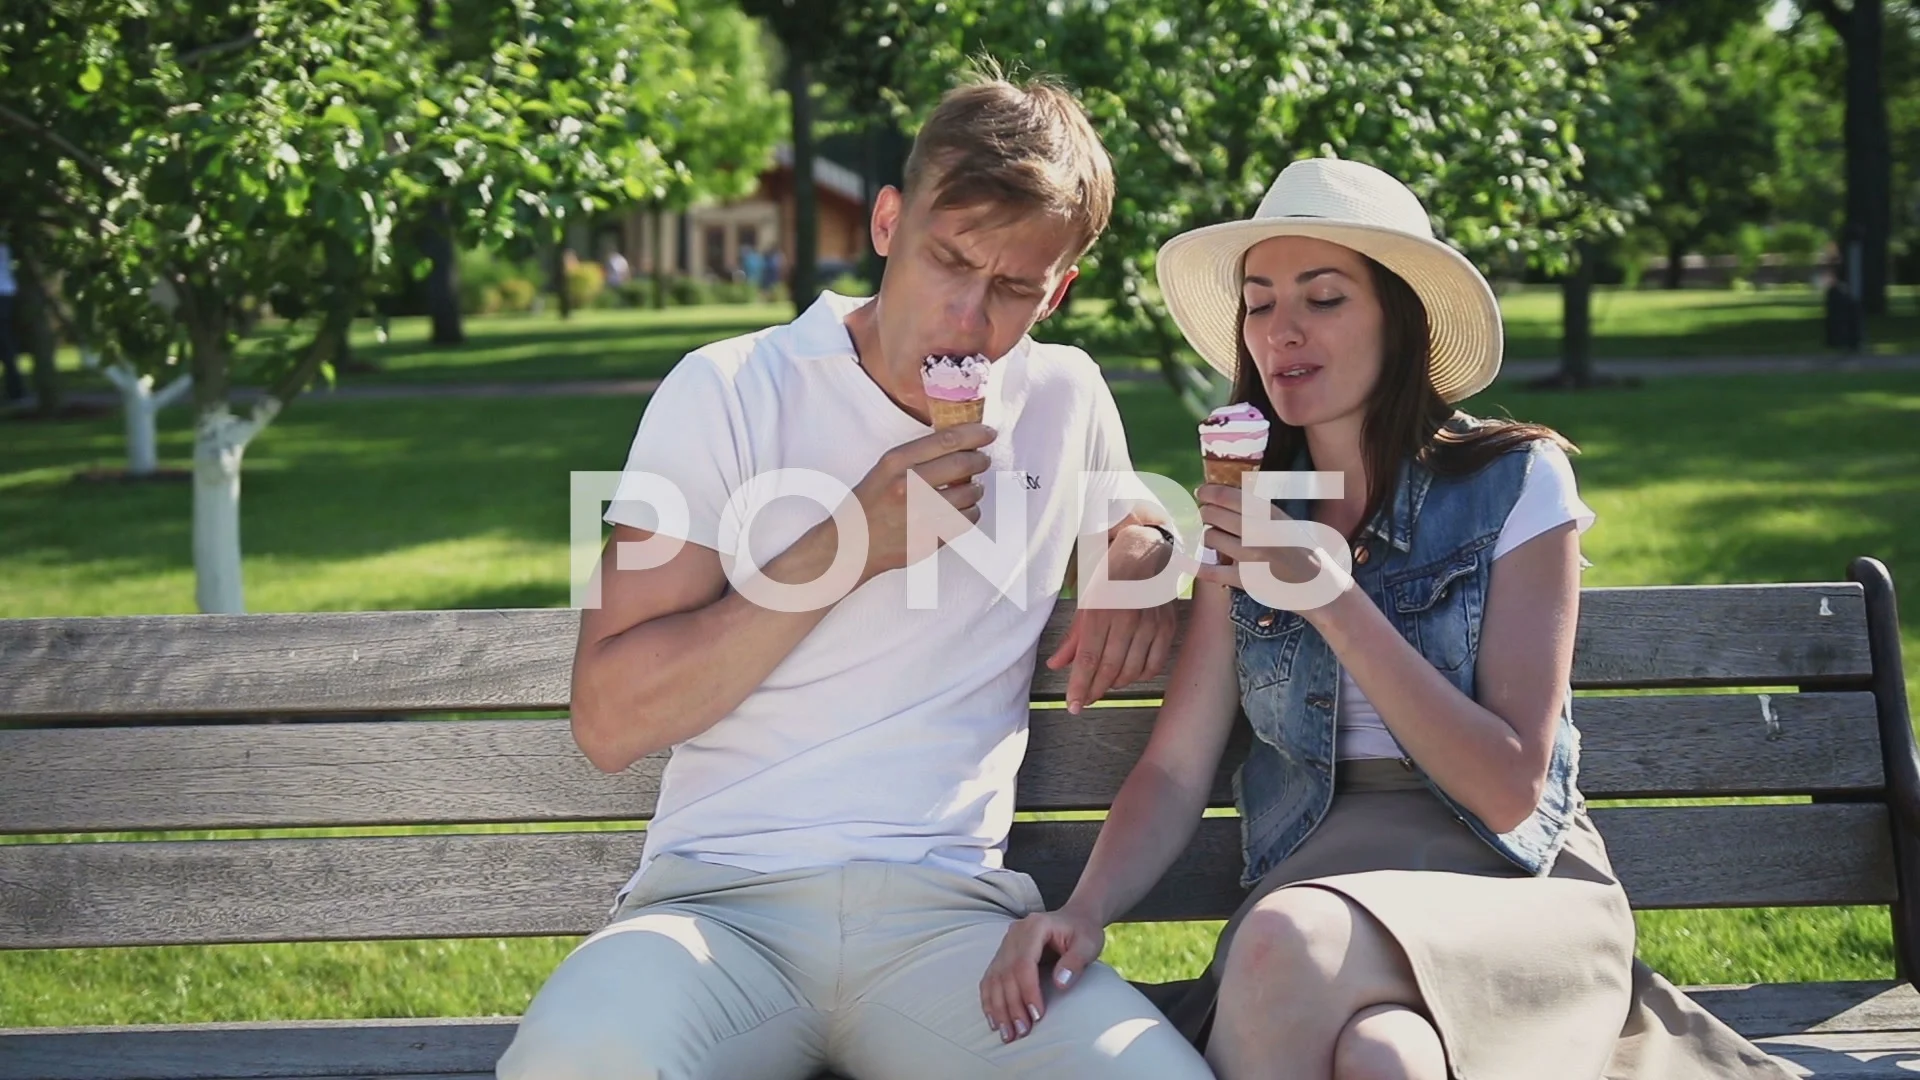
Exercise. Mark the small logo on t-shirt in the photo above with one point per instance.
(1033, 482)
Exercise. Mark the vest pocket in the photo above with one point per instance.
(1265, 640)
(1438, 607)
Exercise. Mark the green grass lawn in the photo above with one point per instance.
(1699, 322)
(461, 503)
(632, 344)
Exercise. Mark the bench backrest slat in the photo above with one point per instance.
(1796, 718)
(335, 662)
(475, 771)
(345, 888)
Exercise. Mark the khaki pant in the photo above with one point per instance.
(870, 970)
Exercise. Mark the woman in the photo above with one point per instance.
(1428, 897)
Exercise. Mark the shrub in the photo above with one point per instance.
(483, 282)
(516, 294)
(585, 282)
(850, 285)
(688, 292)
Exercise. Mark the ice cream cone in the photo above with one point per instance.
(1228, 471)
(948, 414)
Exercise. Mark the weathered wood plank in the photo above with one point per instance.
(1728, 744)
(1722, 635)
(420, 661)
(403, 773)
(1829, 1008)
(1853, 1056)
(422, 1049)
(155, 893)
(1751, 856)
(322, 662)
(1807, 1023)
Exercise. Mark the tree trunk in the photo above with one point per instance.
(219, 441)
(443, 279)
(12, 386)
(1870, 153)
(870, 264)
(560, 290)
(1576, 327)
(36, 321)
(659, 255)
(1676, 264)
(806, 209)
(141, 408)
(1869, 148)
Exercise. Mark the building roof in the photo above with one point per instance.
(830, 175)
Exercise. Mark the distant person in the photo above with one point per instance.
(753, 265)
(617, 269)
(15, 388)
(776, 270)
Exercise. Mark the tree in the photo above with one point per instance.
(1869, 215)
(230, 157)
(808, 30)
(1718, 139)
(723, 123)
(1475, 104)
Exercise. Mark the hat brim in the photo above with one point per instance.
(1199, 274)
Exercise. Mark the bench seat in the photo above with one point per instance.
(1695, 699)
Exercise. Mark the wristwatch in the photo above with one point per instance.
(1172, 540)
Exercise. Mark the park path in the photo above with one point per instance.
(1520, 370)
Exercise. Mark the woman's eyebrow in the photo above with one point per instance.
(1301, 279)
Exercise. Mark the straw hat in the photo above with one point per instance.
(1359, 207)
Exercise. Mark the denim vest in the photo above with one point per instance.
(1428, 556)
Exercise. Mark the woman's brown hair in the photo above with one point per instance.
(1405, 418)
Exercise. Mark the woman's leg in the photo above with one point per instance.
(1389, 1042)
(1300, 991)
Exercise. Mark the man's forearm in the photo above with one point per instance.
(671, 678)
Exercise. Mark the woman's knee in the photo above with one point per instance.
(1294, 938)
(1389, 1042)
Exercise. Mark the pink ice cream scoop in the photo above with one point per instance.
(1234, 433)
(950, 377)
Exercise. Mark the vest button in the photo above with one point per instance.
(1320, 701)
(1265, 621)
(1360, 555)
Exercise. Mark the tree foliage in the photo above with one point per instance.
(1477, 105)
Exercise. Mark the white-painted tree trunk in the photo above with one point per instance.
(219, 441)
(141, 407)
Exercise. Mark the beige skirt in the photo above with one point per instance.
(1523, 977)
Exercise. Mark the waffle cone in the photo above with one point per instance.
(1228, 471)
(948, 414)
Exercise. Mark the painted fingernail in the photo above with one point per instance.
(1021, 1027)
(1033, 1011)
(1063, 976)
(1005, 1035)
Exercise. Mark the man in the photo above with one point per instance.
(822, 886)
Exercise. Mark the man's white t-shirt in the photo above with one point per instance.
(893, 731)
(1548, 499)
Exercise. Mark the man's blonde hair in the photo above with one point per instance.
(1021, 149)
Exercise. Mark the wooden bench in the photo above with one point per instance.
(130, 724)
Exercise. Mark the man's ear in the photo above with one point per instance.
(888, 205)
(1060, 291)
